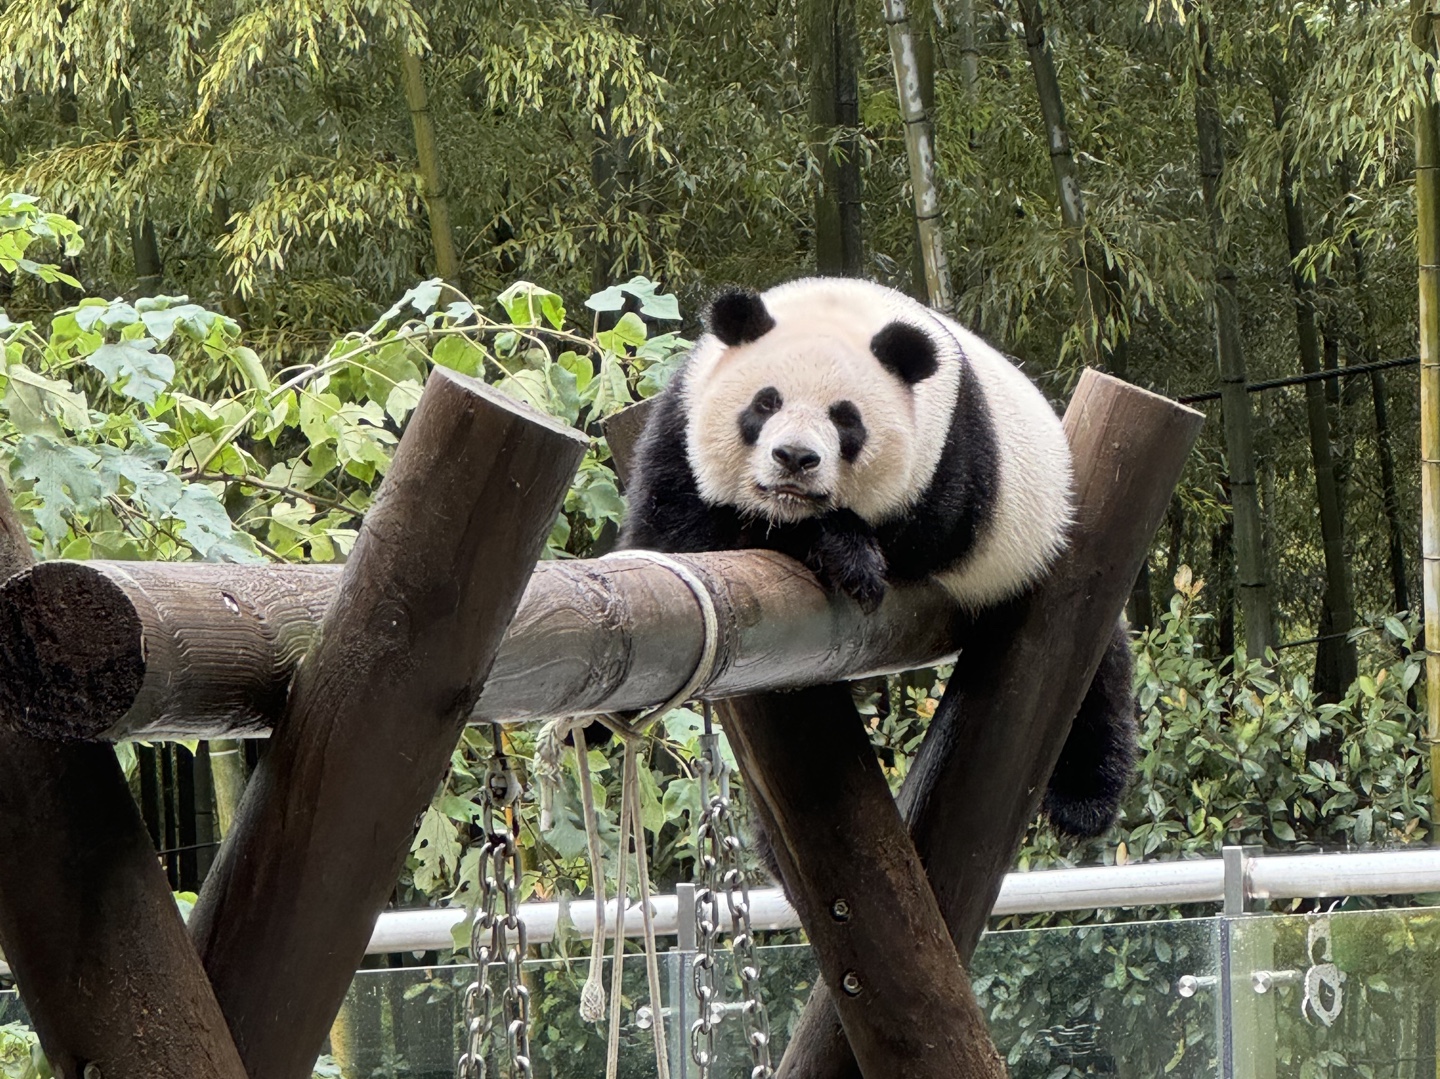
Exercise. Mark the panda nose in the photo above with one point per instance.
(796, 459)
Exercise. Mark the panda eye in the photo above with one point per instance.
(767, 401)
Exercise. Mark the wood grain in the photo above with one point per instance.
(374, 714)
(87, 921)
(161, 650)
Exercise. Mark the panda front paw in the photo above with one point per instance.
(853, 564)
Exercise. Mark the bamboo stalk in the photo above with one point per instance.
(1427, 219)
(1254, 586)
(437, 203)
(831, 60)
(919, 146)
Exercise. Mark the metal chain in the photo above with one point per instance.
(490, 935)
(708, 851)
(718, 844)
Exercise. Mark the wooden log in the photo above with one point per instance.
(87, 921)
(374, 714)
(621, 432)
(981, 771)
(162, 650)
(858, 886)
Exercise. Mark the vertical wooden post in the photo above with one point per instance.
(375, 712)
(86, 916)
(982, 769)
(851, 871)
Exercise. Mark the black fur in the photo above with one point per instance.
(848, 421)
(763, 405)
(906, 350)
(1083, 797)
(738, 316)
(950, 517)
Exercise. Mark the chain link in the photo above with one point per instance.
(718, 847)
(491, 936)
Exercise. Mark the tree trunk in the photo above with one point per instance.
(437, 203)
(1427, 221)
(919, 146)
(831, 52)
(1254, 586)
(1335, 662)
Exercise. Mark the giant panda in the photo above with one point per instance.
(875, 440)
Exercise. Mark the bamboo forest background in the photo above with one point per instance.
(1191, 195)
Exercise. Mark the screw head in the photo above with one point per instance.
(92, 1071)
(644, 1017)
(840, 910)
(851, 983)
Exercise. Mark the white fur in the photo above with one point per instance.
(818, 354)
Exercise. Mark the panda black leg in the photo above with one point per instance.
(1084, 794)
(846, 555)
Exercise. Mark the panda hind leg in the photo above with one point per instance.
(1083, 798)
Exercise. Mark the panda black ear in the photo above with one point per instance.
(906, 350)
(737, 316)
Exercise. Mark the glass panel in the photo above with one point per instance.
(1353, 993)
(1103, 999)
(1061, 1002)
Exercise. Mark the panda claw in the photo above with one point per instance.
(852, 564)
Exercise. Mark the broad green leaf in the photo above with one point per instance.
(459, 354)
(33, 400)
(65, 481)
(134, 367)
(527, 304)
(403, 399)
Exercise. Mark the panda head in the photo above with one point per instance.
(807, 409)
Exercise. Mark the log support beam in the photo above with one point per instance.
(87, 921)
(978, 779)
(374, 714)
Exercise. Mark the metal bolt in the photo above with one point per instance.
(840, 910)
(1188, 984)
(92, 1071)
(851, 983)
(644, 1017)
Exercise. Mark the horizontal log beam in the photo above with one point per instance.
(150, 650)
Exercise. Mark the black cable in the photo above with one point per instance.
(1296, 380)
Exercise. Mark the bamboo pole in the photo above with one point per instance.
(1427, 220)
(432, 176)
(1254, 585)
(919, 146)
(830, 60)
(1335, 665)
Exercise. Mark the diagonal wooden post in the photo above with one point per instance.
(100, 955)
(982, 769)
(375, 712)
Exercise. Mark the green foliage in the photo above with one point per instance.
(150, 430)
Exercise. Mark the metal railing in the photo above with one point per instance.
(1236, 881)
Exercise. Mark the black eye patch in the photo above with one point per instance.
(846, 418)
(762, 406)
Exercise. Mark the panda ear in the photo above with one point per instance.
(906, 350)
(737, 316)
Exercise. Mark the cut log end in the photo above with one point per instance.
(83, 678)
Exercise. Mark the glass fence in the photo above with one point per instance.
(1263, 996)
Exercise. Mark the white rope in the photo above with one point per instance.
(710, 623)
(612, 1046)
(592, 994)
(652, 958)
